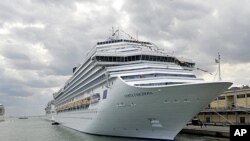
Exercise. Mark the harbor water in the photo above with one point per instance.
(38, 129)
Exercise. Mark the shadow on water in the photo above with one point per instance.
(37, 129)
(188, 137)
(89, 137)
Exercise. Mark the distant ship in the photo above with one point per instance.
(22, 117)
(1, 112)
(50, 111)
(131, 88)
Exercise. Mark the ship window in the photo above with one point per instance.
(150, 58)
(133, 58)
(106, 59)
(129, 58)
(157, 75)
(142, 57)
(161, 58)
(159, 84)
(105, 92)
(172, 59)
(137, 57)
(110, 59)
(149, 75)
(97, 58)
(119, 59)
(158, 58)
(154, 58)
(168, 59)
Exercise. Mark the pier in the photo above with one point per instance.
(215, 131)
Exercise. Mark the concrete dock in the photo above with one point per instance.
(216, 131)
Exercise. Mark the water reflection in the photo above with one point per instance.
(36, 129)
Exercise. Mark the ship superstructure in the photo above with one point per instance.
(126, 87)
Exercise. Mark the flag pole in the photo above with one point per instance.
(219, 66)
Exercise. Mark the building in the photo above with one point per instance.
(231, 107)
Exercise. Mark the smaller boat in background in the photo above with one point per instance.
(50, 111)
(2, 111)
(23, 117)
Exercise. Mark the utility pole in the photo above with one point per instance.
(217, 60)
(137, 35)
(219, 66)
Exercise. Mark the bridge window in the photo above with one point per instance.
(143, 57)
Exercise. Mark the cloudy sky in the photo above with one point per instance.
(42, 40)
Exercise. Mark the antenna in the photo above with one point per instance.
(137, 35)
(113, 32)
(118, 29)
(217, 60)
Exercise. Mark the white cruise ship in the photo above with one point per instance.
(1, 112)
(132, 88)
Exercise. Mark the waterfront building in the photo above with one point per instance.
(231, 107)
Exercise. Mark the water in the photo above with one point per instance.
(37, 129)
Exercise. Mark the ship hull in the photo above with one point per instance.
(155, 113)
(49, 117)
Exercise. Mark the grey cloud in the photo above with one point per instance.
(66, 38)
(16, 90)
(195, 30)
(192, 28)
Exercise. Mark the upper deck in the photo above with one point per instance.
(121, 48)
(118, 51)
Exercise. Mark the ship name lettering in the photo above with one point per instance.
(138, 94)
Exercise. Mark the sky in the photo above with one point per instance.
(42, 40)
